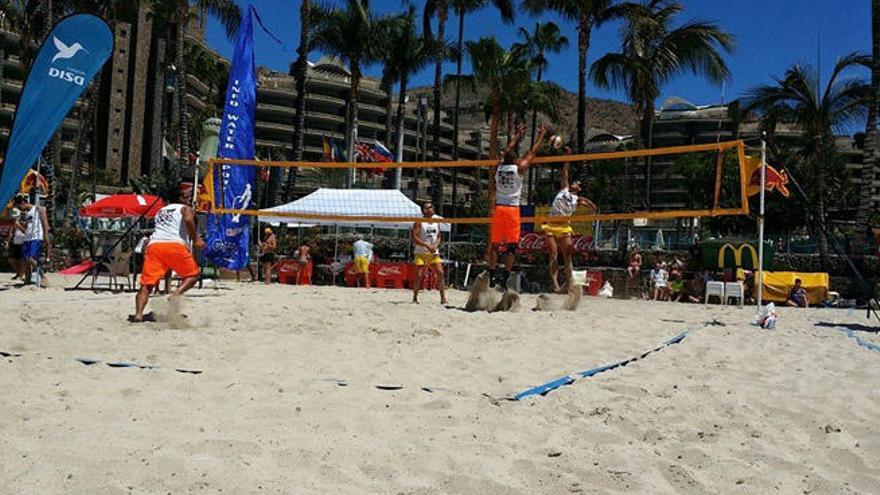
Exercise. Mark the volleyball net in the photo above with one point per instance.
(706, 180)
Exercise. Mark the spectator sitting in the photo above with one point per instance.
(659, 282)
(676, 286)
(635, 262)
(797, 296)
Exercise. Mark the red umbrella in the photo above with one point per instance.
(123, 205)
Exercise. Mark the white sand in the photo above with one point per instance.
(732, 409)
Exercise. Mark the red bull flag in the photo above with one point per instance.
(774, 179)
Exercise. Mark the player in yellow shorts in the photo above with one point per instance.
(426, 237)
(363, 253)
(558, 234)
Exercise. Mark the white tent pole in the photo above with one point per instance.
(760, 280)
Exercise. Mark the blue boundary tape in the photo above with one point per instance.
(562, 381)
(858, 340)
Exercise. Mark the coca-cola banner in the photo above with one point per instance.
(530, 242)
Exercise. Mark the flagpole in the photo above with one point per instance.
(760, 279)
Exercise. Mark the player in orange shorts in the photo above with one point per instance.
(505, 227)
(169, 249)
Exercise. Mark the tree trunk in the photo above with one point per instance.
(183, 125)
(438, 75)
(455, 123)
(533, 171)
(646, 133)
(156, 131)
(401, 127)
(494, 123)
(2, 75)
(820, 211)
(584, 31)
(388, 87)
(863, 236)
(299, 122)
(353, 118)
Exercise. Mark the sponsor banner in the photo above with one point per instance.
(229, 235)
(531, 242)
(69, 58)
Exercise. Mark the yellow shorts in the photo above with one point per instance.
(557, 230)
(361, 264)
(423, 259)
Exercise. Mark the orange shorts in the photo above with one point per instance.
(163, 256)
(505, 225)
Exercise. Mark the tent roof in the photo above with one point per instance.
(349, 202)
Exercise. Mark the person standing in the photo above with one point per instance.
(558, 235)
(505, 228)
(363, 253)
(303, 274)
(427, 239)
(15, 242)
(267, 254)
(170, 248)
(35, 224)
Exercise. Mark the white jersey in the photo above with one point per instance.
(33, 224)
(363, 249)
(18, 237)
(508, 185)
(429, 233)
(564, 204)
(170, 226)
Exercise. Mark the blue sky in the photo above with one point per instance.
(771, 35)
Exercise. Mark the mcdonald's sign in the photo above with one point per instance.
(735, 254)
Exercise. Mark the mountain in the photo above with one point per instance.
(609, 115)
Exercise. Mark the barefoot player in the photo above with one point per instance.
(558, 234)
(505, 227)
(426, 237)
(169, 249)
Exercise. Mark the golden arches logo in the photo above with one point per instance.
(737, 254)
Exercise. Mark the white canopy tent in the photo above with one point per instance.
(348, 202)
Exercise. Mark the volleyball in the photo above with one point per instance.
(556, 141)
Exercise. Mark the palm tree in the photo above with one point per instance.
(546, 38)
(440, 8)
(653, 52)
(796, 98)
(180, 13)
(503, 73)
(463, 8)
(300, 71)
(352, 35)
(409, 52)
(588, 14)
(866, 209)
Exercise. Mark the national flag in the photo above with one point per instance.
(382, 154)
(327, 150)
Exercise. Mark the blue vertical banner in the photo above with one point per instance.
(69, 58)
(228, 235)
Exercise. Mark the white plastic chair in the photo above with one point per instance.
(714, 289)
(736, 291)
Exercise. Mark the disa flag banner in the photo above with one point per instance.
(228, 235)
(67, 61)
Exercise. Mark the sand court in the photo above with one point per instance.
(288, 398)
